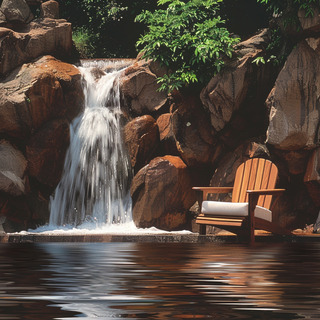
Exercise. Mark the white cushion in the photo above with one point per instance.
(237, 209)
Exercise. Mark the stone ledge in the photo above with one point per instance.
(158, 238)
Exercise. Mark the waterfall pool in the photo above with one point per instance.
(159, 281)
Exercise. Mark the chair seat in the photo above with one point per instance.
(236, 209)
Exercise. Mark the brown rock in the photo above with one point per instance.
(193, 133)
(167, 140)
(46, 150)
(139, 87)
(141, 138)
(3, 19)
(40, 37)
(50, 9)
(16, 11)
(227, 92)
(312, 176)
(37, 92)
(13, 167)
(14, 213)
(162, 194)
(225, 172)
(311, 23)
(294, 101)
(33, 2)
(296, 161)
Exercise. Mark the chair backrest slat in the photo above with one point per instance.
(238, 183)
(255, 174)
(245, 181)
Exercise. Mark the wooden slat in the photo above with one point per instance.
(264, 181)
(271, 184)
(245, 181)
(259, 178)
(220, 217)
(253, 175)
(267, 191)
(219, 222)
(237, 183)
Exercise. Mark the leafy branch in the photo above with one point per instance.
(188, 38)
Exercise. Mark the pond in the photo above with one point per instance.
(159, 281)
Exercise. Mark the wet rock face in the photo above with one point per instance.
(46, 151)
(294, 102)
(142, 139)
(13, 166)
(162, 194)
(312, 176)
(240, 85)
(37, 92)
(193, 133)
(16, 11)
(38, 38)
(139, 88)
(311, 23)
(167, 140)
(50, 9)
(37, 101)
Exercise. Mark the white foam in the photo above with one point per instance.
(87, 228)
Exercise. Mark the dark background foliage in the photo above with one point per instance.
(112, 32)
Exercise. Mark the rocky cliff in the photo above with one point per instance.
(175, 141)
(39, 95)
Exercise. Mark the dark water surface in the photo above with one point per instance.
(159, 281)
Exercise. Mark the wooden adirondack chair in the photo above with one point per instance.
(251, 199)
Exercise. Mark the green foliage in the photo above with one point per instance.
(282, 40)
(277, 50)
(188, 38)
(279, 6)
(109, 24)
(83, 42)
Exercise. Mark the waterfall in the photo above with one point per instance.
(96, 178)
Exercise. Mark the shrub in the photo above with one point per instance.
(187, 37)
(278, 7)
(83, 42)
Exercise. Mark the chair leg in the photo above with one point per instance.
(202, 229)
(253, 200)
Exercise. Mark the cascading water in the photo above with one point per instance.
(96, 179)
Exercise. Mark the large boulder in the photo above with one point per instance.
(167, 140)
(193, 133)
(140, 88)
(46, 151)
(312, 176)
(15, 213)
(16, 11)
(3, 20)
(162, 194)
(142, 138)
(36, 93)
(13, 167)
(50, 9)
(294, 102)
(40, 37)
(309, 23)
(227, 92)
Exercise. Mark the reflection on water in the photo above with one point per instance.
(159, 281)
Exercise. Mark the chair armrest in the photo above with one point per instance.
(266, 191)
(208, 190)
